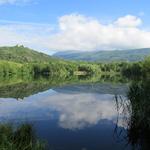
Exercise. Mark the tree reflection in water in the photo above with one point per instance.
(138, 120)
(19, 138)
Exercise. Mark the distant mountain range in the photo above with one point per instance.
(105, 56)
(23, 54)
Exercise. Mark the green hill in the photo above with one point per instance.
(105, 56)
(22, 54)
(19, 60)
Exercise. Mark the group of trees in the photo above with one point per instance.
(57, 67)
(137, 69)
(8, 68)
(22, 60)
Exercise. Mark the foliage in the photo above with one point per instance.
(137, 70)
(23, 61)
(139, 126)
(22, 54)
(7, 68)
(136, 112)
(21, 138)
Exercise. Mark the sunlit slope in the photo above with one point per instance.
(22, 54)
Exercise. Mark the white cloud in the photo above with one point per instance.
(128, 21)
(13, 1)
(78, 32)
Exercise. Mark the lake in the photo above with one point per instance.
(80, 116)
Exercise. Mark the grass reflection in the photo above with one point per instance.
(138, 108)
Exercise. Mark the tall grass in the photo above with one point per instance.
(19, 138)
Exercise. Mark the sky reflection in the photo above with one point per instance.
(71, 110)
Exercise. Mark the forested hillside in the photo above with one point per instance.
(134, 55)
(23, 54)
(23, 61)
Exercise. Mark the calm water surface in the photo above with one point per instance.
(72, 117)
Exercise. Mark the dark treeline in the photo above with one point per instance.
(137, 70)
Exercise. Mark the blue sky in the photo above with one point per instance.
(47, 11)
(46, 14)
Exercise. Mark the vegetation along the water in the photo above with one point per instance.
(23, 61)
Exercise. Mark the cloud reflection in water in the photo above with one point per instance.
(75, 111)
